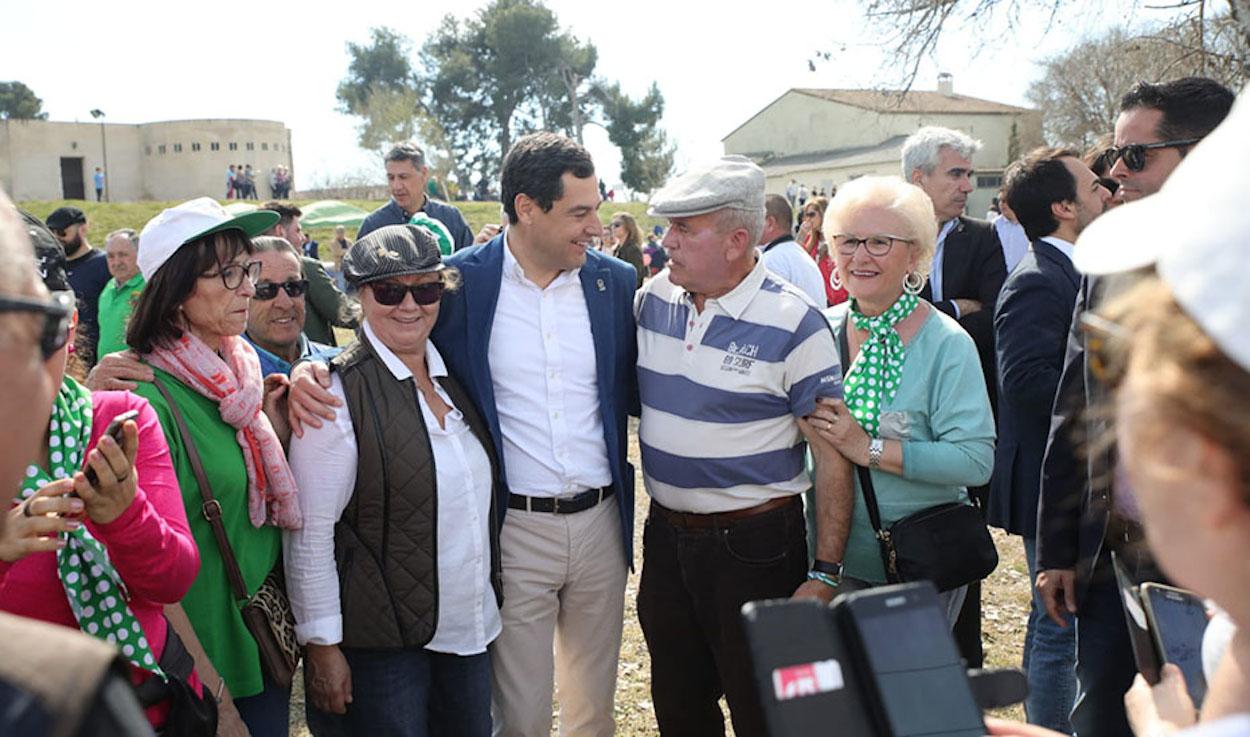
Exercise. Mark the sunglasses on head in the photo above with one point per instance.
(268, 290)
(56, 315)
(391, 293)
(1134, 154)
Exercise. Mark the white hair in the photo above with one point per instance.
(922, 148)
(752, 221)
(903, 199)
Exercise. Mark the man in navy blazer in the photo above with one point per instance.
(1055, 196)
(541, 334)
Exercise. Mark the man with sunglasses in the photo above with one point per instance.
(327, 306)
(1078, 525)
(275, 314)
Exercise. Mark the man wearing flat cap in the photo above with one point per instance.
(731, 358)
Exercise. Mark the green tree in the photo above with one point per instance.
(379, 66)
(17, 101)
(633, 126)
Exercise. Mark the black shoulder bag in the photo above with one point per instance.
(947, 544)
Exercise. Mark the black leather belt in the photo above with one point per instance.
(566, 505)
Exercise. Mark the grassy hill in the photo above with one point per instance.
(105, 217)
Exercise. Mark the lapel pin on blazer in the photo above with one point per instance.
(599, 283)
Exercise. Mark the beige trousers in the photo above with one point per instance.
(564, 590)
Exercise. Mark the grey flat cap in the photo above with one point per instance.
(730, 182)
(394, 250)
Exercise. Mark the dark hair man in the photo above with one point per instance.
(406, 176)
(542, 337)
(1077, 527)
(783, 256)
(326, 305)
(88, 270)
(1054, 196)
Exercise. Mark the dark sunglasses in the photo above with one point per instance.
(391, 293)
(268, 290)
(1134, 154)
(56, 314)
(1104, 348)
(232, 274)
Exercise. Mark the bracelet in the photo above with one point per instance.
(876, 448)
(824, 578)
(221, 687)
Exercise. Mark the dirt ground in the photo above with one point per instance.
(1005, 608)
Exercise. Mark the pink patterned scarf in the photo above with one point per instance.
(236, 385)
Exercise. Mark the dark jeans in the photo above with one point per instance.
(1104, 658)
(694, 583)
(268, 713)
(1049, 660)
(411, 693)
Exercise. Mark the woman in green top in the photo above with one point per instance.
(187, 326)
(916, 410)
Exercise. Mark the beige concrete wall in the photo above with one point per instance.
(31, 150)
(798, 124)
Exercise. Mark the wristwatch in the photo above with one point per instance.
(876, 447)
(830, 574)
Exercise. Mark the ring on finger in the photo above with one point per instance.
(26, 510)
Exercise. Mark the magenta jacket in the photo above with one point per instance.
(150, 544)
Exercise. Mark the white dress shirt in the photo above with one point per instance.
(1064, 247)
(324, 465)
(542, 365)
(1015, 242)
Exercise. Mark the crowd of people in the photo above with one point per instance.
(438, 517)
(241, 183)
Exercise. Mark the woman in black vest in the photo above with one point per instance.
(399, 487)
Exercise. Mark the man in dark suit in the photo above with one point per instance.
(967, 274)
(1078, 523)
(542, 335)
(1055, 196)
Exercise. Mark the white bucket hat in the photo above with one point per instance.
(177, 226)
(1196, 232)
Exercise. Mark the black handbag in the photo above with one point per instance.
(947, 544)
(190, 714)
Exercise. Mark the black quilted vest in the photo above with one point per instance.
(385, 543)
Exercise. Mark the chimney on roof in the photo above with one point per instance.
(946, 84)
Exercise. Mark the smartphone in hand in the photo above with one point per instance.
(115, 431)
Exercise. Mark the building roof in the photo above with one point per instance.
(895, 101)
(834, 158)
(913, 101)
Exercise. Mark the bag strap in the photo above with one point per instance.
(211, 508)
(865, 476)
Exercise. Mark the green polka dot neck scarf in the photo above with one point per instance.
(874, 378)
(93, 587)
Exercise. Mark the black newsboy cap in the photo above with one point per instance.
(393, 250)
(63, 217)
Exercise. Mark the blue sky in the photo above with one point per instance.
(716, 63)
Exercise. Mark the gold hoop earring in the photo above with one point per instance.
(913, 283)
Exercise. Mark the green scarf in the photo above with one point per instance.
(93, 587)
(874, 377)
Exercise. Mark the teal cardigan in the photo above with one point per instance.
(941, 414)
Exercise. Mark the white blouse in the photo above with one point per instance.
(324, 465)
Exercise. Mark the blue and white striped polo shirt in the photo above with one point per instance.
(720, 391)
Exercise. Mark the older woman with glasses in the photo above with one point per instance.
(627, 242)
(214, 405)
(394, 578)
(916, 411)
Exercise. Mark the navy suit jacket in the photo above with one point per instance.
(462, 336)
(1031, 323)
(973, 267)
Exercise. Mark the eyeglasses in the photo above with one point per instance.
(232, 274)
(876, 245)
(268, 290)
(1104, 348)
(56, 315)
(1134, 154)
(391, 293)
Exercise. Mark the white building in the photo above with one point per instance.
(171, 160)
(822, 138)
